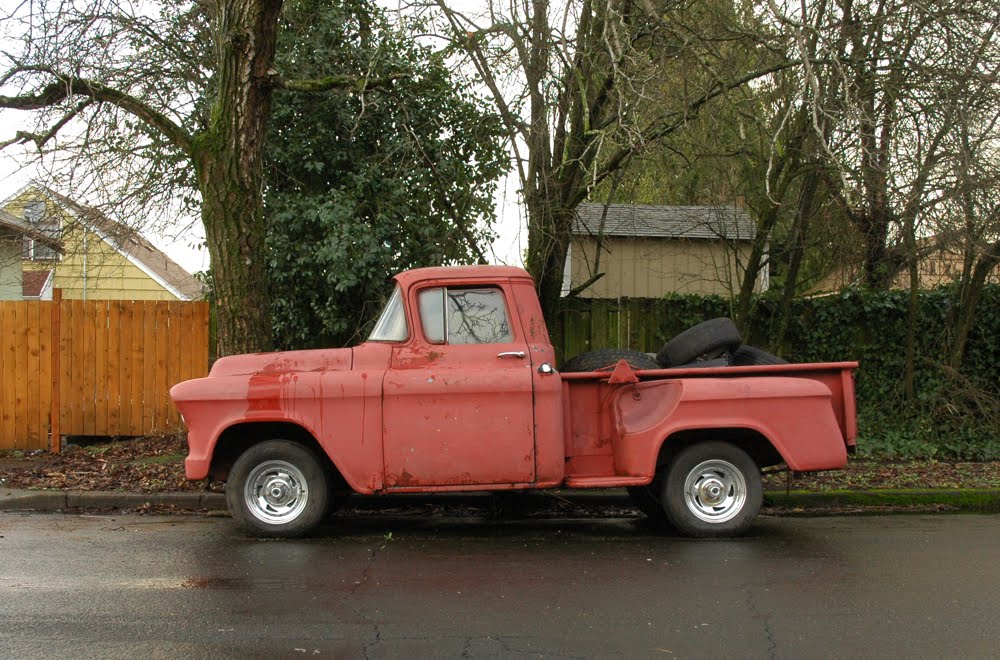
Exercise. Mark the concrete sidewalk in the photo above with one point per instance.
(966, 500)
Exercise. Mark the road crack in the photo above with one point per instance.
(360, 611)
(765, 622)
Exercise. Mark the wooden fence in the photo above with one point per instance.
(96, 368)
(586, 324)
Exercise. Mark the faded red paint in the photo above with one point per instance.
(416, 416)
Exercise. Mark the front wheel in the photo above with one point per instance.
(712, 489)
(278, 488)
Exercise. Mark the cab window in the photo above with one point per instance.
(465, 316)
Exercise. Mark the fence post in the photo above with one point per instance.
(55, 346)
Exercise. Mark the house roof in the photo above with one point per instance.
(34, 282)
(17, 225)
(131, 244)
(642, 221)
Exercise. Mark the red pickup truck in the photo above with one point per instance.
(456, 390)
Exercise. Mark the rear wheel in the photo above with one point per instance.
(712, 489)
(278, 488)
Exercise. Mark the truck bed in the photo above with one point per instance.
(615, 420)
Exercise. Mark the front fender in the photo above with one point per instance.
(341, 410)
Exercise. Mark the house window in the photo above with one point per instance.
(465, 316)
(35, 216)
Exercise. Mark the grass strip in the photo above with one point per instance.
(980, 500)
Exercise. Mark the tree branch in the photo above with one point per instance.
(329, 83)
(66, 87)
(662, 128)
(40, 140)
(577, 290)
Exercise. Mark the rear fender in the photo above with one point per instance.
(795, 415)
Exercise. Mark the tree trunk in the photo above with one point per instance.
(913, 309)
(878, 268)
(228, 159)
(909, 376)
(549, 234)
(234, 231)
(800, 229)
(751, 271)
(966, 312)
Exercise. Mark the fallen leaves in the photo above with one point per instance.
(874, 475)
(115, 465)
(156, 464)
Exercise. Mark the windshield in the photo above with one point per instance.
(391, 325)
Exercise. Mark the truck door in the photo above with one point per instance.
(457, 399)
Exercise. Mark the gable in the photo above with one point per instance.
(135, 257)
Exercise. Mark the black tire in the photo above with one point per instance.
(300, 489)
(712, 490)
(705, 364)
(608, 357)
(706, 340)
(746, 356)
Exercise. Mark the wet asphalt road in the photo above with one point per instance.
(188, 587)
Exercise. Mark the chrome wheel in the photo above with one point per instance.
(275, 492)
(715, 491)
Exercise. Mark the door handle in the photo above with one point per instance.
(514, 354)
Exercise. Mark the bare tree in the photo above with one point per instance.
(581, 83)
(182, 97)
(896, 74)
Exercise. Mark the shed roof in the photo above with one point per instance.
(643, 221)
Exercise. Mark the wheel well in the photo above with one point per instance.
(752, 442)
(238, 438)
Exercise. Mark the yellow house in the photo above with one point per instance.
(639, 251)
(13, 233)
(100, 259)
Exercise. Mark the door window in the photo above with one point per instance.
(465, 316)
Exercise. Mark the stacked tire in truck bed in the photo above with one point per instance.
(714, 343)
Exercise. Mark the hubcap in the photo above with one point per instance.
(715, 491)
(276, 492)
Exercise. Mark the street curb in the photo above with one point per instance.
(970, 500)
(58, 500)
